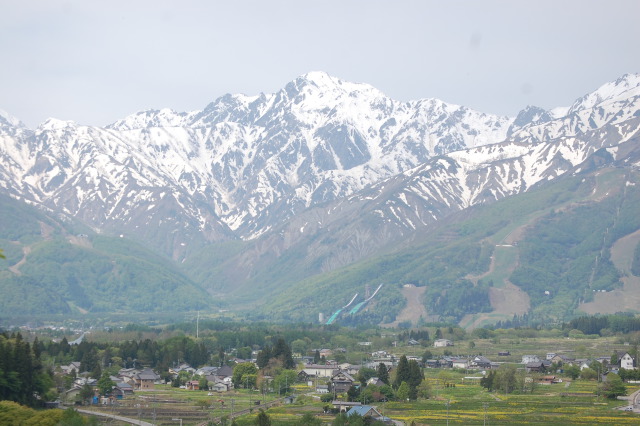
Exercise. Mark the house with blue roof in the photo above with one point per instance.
(368, 411)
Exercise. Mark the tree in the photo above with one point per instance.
(402, 394)
(203, 383)
(316, 357)
(240, 370)
(202, 403)
(221, 356)
(105, 384)
(85, 394)
(353, 393)
(614, 358)
(365, 374)
(299, 346)
(282, 352)
(589, 374)
(403, 374)
(505, 379)
(263, 357)
(309, 420)
(572, 371)
(283, 381)
(263, 419)
(487, 381)
(383, 373)
(415, 374)
(89, 361)
(613, 387)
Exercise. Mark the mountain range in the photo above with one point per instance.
(252, 197)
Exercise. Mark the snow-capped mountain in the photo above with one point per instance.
(237, 168)
(245, 166)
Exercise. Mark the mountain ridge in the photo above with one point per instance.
(311, 179)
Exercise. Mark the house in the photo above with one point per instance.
(549, 379)
(342, 381)
(344, 406)
(375, 382)
(72, 394)
(219, 387)
(504, 353)
(480, 362)
(68, 369)
(124, 388)
(550, 355)
(445, 362)
(145, 380)
(193, 385)
(582, 363)
(351, 369)
(206, 371)
(413, 342)
(322, 389)
(315, 370)
(460, 363)
(626, 361)
(365, 411)
(119, 393)
(182, 367)
(562, 360)
(441, 343)
(526, 359)
(534, 367)
(432, 363)
(326, 353)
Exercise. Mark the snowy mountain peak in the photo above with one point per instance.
(319, 82)
(165, 117)
(52, 124)
(8, 119)
(625, 87)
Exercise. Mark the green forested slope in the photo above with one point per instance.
(49, 268)
(568, 223)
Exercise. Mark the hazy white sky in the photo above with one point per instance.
(97, 61)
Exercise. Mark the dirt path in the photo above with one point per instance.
(415, 308)
(16, 268)
(506, 298)
(475, 278)
(626, 298)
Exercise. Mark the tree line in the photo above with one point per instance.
(22, 376)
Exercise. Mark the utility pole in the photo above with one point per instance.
(448, 402)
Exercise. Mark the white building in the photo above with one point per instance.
(320, 370)
(627, 362)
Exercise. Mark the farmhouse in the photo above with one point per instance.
(342, 381)
(441, 343)
(626, 361)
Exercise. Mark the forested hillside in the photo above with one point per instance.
(54, 267)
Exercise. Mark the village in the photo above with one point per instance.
(337, 385)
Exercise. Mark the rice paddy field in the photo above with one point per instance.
(569, 402)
